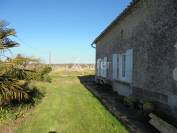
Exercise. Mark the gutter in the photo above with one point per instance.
(93, 45)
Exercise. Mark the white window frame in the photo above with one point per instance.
(98, 66)
(105, 67)
(129, 65)
(102, 67)
(123, 67)
(114, 66)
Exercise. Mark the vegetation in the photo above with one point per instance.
(148, 107)
(9, 88)
(131, 101)
(69, 107)
(17, 67)
(15, 76)
(41, 73)
(5, 33)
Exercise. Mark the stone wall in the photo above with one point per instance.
(150, 28)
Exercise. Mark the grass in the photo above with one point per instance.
(68, 107)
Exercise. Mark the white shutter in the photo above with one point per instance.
(129, 64)
(102, 68)
(105, 67)
(114, 66)
(120, 67)
(98, 67)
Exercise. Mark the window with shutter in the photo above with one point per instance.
(123, 65)
(117, 66)
(126, 66)
(114, 66)
(101, 67)
(129, 65)
(98, 67)
(105, 67)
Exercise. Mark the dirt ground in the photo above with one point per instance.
(130, 117)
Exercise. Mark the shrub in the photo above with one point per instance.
(13, 112)
(12, 70)
(148, 107)
(23, 83)
(10, 90)
(41, 74)
(47, 78)
(35, 94)
(131, 101)
(4, 113)
(46, 70)
(19, 73)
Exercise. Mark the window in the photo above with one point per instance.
(123, 65)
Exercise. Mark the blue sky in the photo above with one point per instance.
(65, 28)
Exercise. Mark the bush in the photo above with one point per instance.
(148, 107)
(46, 70)
(35, 94)
(14, 92)
(3, 114)
(10, 90)
(19, 73)
(41, 74)
(47, 78)
(23, 83)
(13, 112)
(131, 101)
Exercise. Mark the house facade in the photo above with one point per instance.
(137, 52)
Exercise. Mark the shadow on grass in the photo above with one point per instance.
(114, 104)
(86, 79)
(99, 91)
(35, 95)
(89, 80)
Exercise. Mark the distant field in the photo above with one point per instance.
(75, 67)
(68, 107)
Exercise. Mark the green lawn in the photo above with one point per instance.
(68, 107)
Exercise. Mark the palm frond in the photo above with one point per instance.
(5, 33)
(10, 90)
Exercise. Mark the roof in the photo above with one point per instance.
(116, 20)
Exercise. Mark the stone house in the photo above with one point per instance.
(137, 52)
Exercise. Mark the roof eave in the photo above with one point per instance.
(116, 20)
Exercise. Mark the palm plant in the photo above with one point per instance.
(18, 68)
(5, 33)
(9, 88)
